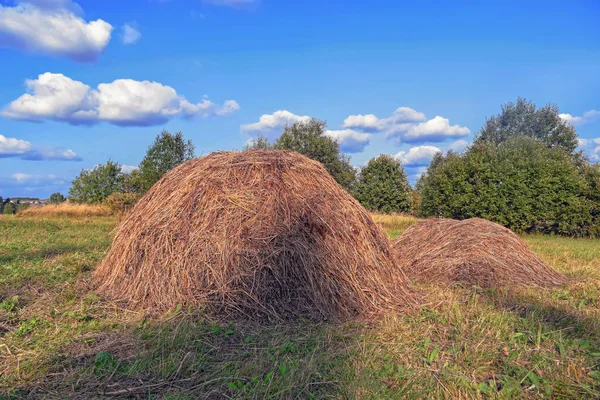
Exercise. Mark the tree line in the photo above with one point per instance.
(523, 171)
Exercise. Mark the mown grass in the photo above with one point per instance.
(58, 339)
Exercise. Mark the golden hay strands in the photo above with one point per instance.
(257, 234)
(66, 209)
(474, 251)
(394, 221)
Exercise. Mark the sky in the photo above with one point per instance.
(86, 82)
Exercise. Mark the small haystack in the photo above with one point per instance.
(255, 234)
(474, 251)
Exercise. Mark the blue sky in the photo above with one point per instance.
(90, 81)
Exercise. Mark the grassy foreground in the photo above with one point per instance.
(60, 340)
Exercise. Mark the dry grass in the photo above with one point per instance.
(66, 209)
(255, 234)
(474, 251)
(394, 222)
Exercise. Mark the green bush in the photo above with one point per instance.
(95, 185)
(168, 151)
(9, 209)
(383, 186)
(119, 203)
(56, 198)
(521, 183)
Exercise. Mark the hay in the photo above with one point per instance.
(474, 251)
(255, 234)
(66, 209)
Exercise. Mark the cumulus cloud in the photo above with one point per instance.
(591, 148)
(36, 180)
(370, 122)
(458, 146)
(130, 34)
(228, 107)
(13, 147)
(405, 115)
(436, 129)
(407, 125)
(123, 102)
(273, 124)
(53, 27)
(414, 173)
(418, 156)
(587, 117)
(51, 153)
(350, 141)
(127, 169)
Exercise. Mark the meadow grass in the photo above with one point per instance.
(58, 339)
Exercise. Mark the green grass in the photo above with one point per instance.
(58, 339)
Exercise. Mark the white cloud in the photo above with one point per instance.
(28, 179)
(458, 146)
(130, 35)
(436, 129)
(416, 173)
(370, 122)
(350, 141)
(591, 147)
(127, 169)
(587, 117)
(53, 27)
(51, 153)
(404, 115)
(123, 102)
(13, 147)
(407, 125)
(228, 107)
(10, 147)
(417, 156)
(273, 124)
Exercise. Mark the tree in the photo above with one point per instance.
(9, 209)
(524, 119)
(258, 143)
(132, 182)
(56, 198)
(308, 138)
(95, 185)
(168, 151)
(383, 186)
(522, 184)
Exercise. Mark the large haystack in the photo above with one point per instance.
(474, 251)
(258, 234)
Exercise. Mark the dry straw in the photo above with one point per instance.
(255, 234)
(474, 251)
(66, 209)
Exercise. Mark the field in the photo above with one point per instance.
(58, 339)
